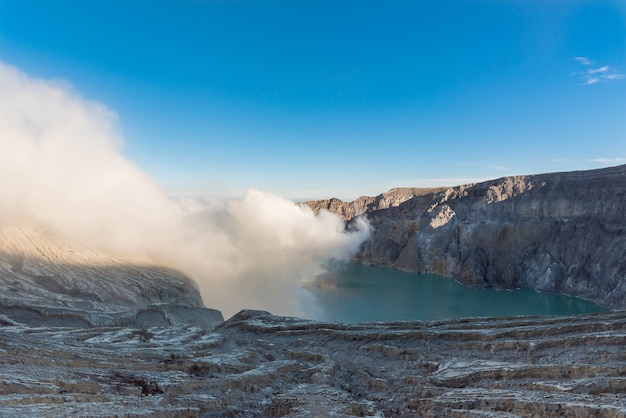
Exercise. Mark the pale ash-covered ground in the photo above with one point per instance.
(256, 364)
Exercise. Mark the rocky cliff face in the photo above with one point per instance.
(560, 232)
(48, 280)
(363, 204)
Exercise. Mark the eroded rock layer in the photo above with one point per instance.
(560, 232)
(256, 364)
(46, 280)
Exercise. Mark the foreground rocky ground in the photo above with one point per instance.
(256, 364)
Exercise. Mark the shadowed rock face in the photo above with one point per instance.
(561, 232)
(46, 280)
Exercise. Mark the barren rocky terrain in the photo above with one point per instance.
(256, 364)
(90, 334)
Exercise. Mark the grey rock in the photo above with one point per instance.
(559, 232)
(363, 204)
(46, 280)
(257, 364)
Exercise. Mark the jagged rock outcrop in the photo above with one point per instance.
(259, 365)
(560, 232)
(350, 210)
(46, 280)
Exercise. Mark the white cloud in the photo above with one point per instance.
(599, 70)
(60, 164)
(439, 182)
(609, 160)
(589, 76)
(500, 167)
(583, 60)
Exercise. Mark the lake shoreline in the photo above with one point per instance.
(355, 292)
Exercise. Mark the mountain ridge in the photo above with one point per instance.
(556, 232)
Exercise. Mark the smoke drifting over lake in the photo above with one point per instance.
(61, 164)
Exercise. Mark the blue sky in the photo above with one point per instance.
(322, 98)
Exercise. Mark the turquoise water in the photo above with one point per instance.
(356, 293)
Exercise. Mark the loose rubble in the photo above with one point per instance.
(256, 364)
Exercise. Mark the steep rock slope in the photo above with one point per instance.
(48, 280)
(559, 232)
(363, 204)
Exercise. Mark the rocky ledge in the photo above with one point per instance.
(256, 364)
(47, 280)
(559, 232)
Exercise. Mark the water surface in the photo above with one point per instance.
(355, 293)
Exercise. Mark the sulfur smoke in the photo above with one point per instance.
(61, 164)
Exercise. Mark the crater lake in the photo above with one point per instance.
(354, 293)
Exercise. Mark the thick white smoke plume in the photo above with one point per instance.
(60, 163)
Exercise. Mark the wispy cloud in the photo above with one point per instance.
(598, 70)
(591, 80)
(438, 182)
(583, 60)
(590, 73)
(500, 167)
(609, 160)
